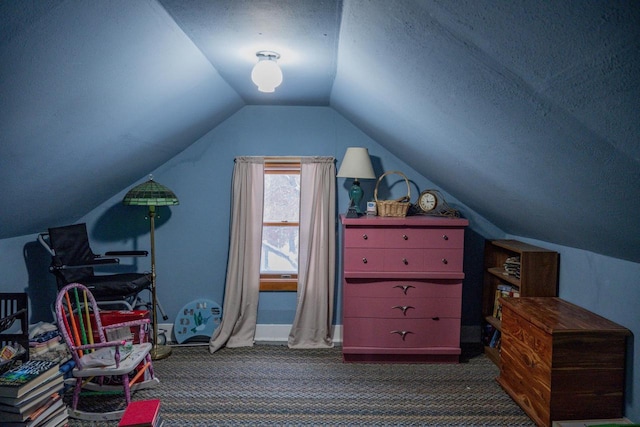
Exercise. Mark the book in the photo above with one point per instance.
(53, 415)
(33, 397)
(35, 412)
(141, 413)
(23, 378)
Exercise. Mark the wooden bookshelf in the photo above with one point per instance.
(538, 278)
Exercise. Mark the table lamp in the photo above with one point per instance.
(356, 164)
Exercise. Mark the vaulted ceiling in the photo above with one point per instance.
(526, 111)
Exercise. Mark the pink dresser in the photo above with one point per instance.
(402, 288)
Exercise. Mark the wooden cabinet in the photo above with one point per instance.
(402, 289)
(560, 361)
(537, 277)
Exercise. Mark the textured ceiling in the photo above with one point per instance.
(525, 111)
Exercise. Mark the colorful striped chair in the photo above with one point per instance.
(102, 365)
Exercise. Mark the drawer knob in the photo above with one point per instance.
(404, 308)
(435, 318)
(365, 237)
(404, 288)
(403, 334)
(404, 261)
(445, 237)
(444, 261)
(405, 237)
(364, 260)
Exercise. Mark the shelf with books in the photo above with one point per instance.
(513, 269)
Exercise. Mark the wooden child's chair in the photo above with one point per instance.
(101, 365)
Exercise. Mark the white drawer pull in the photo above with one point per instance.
(404, 308)
(403, 334)
(404, 288)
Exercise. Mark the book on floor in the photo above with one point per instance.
(141, 413)
(52, 416)
(33, 397)
(23, 378)
(52, 401)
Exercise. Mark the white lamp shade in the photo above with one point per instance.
(356, 164)
(266, 75)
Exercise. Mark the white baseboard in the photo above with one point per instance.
(280, 333)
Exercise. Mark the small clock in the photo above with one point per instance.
(427, 201)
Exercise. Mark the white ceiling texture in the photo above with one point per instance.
(527, 111)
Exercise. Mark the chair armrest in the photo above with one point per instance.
(95, 346)
(86, 263)
(127, 253)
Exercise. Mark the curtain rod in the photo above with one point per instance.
(283, 159)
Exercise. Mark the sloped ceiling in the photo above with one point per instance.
(525, 111)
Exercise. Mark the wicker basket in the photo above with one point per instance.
(398, 207)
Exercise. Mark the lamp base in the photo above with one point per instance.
(160, 352)
(352, 213)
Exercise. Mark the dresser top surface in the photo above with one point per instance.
(415, 221)
(556, 316)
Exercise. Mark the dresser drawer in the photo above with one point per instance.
(362, 237)
(401, 333)
(364, 259)
(402, 308)
(424, 238)
(403, 260)
(403, 237)
(354, 288)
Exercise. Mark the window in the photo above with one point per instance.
(280, 226)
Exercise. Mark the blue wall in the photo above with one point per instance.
(192, 238)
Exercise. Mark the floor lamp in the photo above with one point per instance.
(152, 194)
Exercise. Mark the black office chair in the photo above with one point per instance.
(73, 261)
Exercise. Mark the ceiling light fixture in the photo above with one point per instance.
(266, 74)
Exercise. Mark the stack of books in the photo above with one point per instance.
(512, 266)
(45, 343)
(142, 413)
(31, 395)
(503, 291)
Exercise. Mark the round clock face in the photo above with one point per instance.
(427, 201)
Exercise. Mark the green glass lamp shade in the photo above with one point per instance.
(150, 193)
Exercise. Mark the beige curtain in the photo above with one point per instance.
(316, 260)
(242, 287)
(316, 257)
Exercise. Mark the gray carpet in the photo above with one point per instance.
(273, 385)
